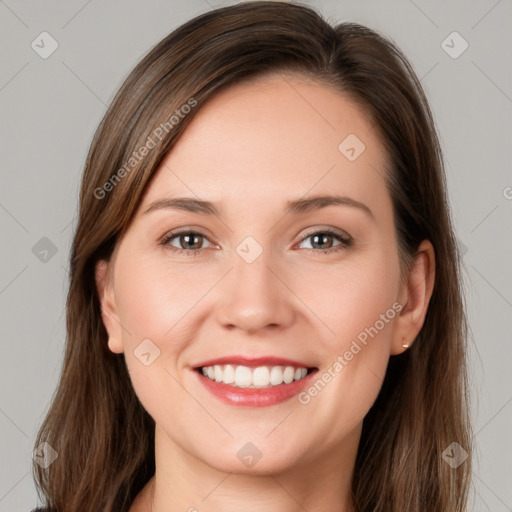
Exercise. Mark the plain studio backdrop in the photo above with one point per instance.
(53, 95)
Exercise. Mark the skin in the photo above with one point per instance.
(250, 149)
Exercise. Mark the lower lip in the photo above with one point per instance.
(255, 397)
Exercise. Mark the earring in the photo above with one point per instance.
(404, 344)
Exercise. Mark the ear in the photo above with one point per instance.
(415, 296)
(104, 286)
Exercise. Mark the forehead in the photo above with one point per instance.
(274, 137)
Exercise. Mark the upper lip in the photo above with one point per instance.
(253, 362)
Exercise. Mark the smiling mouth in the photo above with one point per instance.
(240, 376)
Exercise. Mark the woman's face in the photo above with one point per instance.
(268, 288)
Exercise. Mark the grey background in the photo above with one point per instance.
(51, 107)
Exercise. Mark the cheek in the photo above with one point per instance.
(350, 296)
(357, 304)
(152, 305)
(154, 300)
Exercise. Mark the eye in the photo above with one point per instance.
(188, 242)
(191, 242)
(322, 241)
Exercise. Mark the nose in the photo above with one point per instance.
(255, 296)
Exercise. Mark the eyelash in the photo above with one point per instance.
(344, 242)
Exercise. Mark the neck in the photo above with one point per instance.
(182, 483)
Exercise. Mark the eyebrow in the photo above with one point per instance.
(193, 205)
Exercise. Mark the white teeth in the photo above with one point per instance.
(243, 376)
(276, 375)
(288, 374)
(260, 377)
(229, 374)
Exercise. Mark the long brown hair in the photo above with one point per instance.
(103, 436)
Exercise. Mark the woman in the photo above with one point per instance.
(268, 369)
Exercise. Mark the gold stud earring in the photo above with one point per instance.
(404, 344)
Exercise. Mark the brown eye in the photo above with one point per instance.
(190, 242)
(324, 241)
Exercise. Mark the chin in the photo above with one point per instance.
(253, 456)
